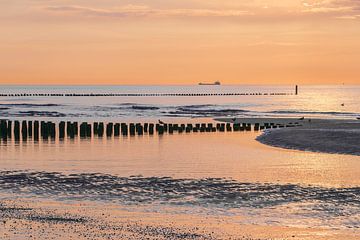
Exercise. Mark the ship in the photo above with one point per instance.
(215, 83)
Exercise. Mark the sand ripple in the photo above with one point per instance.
(205, 192)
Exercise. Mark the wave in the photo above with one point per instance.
(206, 111)
(30, 105)
(33, 114)
(142, 107)
(199, 106)
(218, 192)
(123, 107)
(312, 112)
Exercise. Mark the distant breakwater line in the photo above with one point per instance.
(140, 94)
(36, 129)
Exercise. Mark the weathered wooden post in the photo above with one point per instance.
(180, 129)
(24, 130)
(17, 130)
(209, 127)
(140, 129)
(228, 127)
(76, 128)
(30, 128)
(100, 130)
(83, 129)
(96, 128)
(132, 129)
(71, 130)
(151, 128)
(161, 130)
(116, 129)
(189, 127)
(52, 129)
(124, 129)
(9, 128)
(88, 130)
(157, 127)
(109, 129)
(171, 129)
(61, 129)
(36, 130)
(182, 126)
(3, 129)
(44, 130)
(68, 127)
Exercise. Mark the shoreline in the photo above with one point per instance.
(333, 136)
(46, 219)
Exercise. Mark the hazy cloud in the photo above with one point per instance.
(332, 6)
(142, 10)
(341, 9)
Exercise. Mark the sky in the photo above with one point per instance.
(179, 41)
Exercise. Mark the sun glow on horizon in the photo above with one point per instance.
(179, 42)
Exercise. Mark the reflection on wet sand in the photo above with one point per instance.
(234, 155)
(220, 179)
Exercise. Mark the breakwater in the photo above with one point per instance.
(142, 94)
(47, 129)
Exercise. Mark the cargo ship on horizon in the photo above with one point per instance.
(214, 83)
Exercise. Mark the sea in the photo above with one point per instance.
(325, 101)
(212, 174)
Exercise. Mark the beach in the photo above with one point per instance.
(290, 179)
(179, 120)
(318, 135)
(46, 219)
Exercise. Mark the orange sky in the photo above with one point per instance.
(179, 41)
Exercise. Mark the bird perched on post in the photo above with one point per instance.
(161, 122)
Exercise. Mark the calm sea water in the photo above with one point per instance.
(209, 173)
(313, 101)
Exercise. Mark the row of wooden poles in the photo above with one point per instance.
(49, 129)
(137, 94)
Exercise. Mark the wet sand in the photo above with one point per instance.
(227, 187)
(29, 219)
(316, 135)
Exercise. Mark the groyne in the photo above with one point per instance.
(48, 129)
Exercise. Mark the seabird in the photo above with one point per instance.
(161, 122)
(233, 119)
(343, 104)
(302, 118)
